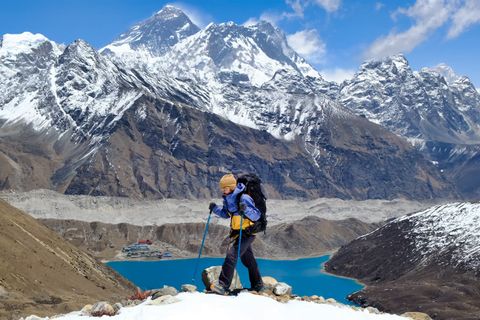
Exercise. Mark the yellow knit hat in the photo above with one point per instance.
(228, 181)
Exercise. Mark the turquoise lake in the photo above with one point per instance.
(306, 276)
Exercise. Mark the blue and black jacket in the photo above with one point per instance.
(230, 209)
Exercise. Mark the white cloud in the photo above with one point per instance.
(337, 75)
(329, 5)
(379, 6)
(427, 16)
(250, 22)
(297, 7)
(308, 44)
(201, 19)
(468, 15)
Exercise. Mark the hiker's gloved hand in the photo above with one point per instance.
(240, 187)
(242, 207)
(212, 206)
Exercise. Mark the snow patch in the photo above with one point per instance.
(201, 306)
(451, 230)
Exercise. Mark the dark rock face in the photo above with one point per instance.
(180, 152)
(404, 270)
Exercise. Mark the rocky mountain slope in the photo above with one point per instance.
(41, 273)
(437, 110)
(428, 261)
(307, 237)
(114, 129)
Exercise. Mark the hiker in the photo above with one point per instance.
(233, 208)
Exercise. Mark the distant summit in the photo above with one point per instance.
(156, 34)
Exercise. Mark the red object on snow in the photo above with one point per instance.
(148, 241)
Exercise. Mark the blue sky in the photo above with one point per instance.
(336, 36)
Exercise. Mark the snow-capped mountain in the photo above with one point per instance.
(228, 52)
(25, 76)
(138, 118)
(432, 257)
(422, 106)
(154, 36)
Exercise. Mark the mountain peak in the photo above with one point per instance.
(155, 34)
(15, 43)
(170, 12)
(250, 53)
(446, 71)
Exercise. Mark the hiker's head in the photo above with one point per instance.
(228, 183)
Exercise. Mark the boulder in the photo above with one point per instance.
(166, 290)
(372, 310)
(33, 317)
(166, 299)
(211, 274)
(331, 301)
(189, 288)
(282, 289)
(102, 308)
(87, 310)
(269, 283)
(117, 306)
(416, 316)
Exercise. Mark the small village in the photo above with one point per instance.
(144, 249)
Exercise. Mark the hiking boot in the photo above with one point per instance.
(218, 289)
(259, 289)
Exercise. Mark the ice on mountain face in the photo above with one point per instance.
(13, 44)
(26, 61)
(227, 52)
(416, 105)
(153, 36)
(447, 232)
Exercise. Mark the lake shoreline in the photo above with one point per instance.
(305, 275)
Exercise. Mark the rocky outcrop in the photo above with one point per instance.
(43, 274)
(210, 276)
(425, 262)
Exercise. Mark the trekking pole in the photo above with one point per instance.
(239, 245)
(201, 246)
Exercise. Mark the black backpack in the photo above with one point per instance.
(253, 187)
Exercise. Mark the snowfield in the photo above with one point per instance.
(201, 306)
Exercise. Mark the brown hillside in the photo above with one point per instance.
(42, 274)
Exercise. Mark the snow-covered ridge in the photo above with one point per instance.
(202, 306)
(23, 42)
(251, 54)
(448, 231)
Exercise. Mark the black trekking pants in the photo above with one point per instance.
(248, 260)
